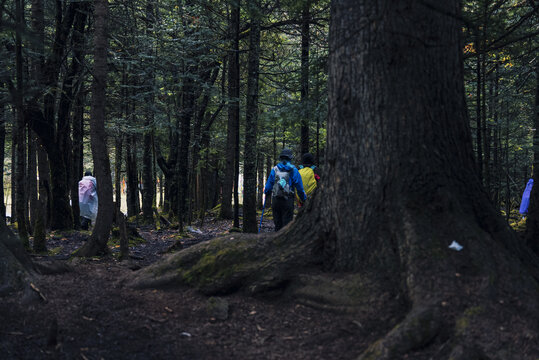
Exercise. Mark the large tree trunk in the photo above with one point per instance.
(251, 122)
(233, 110)
(404, 187)
(98, 241)
(15, 265)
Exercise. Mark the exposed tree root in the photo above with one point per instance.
(419, 327)
(239, 261)
(438, 295)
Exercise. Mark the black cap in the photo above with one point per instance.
(307, 159)
(286, 154)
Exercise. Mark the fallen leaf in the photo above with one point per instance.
(87, 318)
(168, 309)
(260, 328)
(252, 312)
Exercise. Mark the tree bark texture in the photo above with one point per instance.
(77, 166)
(133, 206)
(260, 183)
(32, 177)
(19, 130)
(183, 154)
(2, 155)
(148, 190)
(532, 222)
(305, 105)
(118, 174)
(15, 265)
(44, 183)
(71, 97)
(100, 234)
(233, 111)
(251, 122)
(54, 132)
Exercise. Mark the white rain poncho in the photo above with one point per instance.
(88, 198)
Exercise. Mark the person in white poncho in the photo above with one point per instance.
(87, 200)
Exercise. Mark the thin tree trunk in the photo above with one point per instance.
(507, 179)
(251, 122)
(532, 223)
(260, 182)
(132, 177)
(77, 154)
(32, 178)
(100, 235)
(478, 116)
(486, 131)
(233, 111)
(497, 143)
(118, 174)
(2, 155)
(269, 166)
(161, 192)
(318, 125)
(44, 184)
(37, 46)
(305, 106)
(148, 190)
(19, 130)
(13, 179)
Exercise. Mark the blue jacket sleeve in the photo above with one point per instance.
(269, 184)
(297, 183)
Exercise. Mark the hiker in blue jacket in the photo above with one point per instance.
(283, 182)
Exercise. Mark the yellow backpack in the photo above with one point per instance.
(308, 179)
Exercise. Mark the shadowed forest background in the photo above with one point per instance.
(181, 108)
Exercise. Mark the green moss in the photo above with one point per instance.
(373, 352)
(67, 233)
(473, 311)
(132, 219)
(461, 325)
(217, 265)
(55, 251)
(114, 240)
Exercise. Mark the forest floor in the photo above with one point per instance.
(87, 314)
